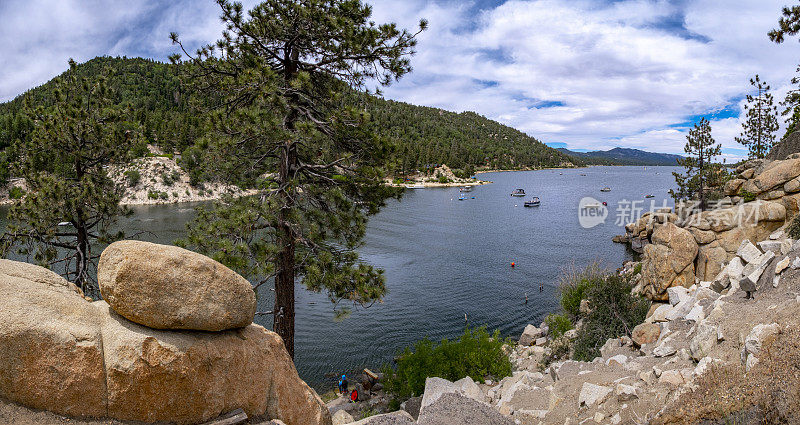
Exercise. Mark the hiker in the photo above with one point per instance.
(343, 384)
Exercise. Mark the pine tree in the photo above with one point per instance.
(71, 202)
(793, 122)
(283, 73)
(701, 172)
(758, 132)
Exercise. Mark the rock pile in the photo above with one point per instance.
(70, 356)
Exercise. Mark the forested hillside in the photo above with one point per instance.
(422, 136)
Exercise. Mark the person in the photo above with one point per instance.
(343, 384)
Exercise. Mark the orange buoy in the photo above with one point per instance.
(512, 264)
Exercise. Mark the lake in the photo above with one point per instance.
(445, 258)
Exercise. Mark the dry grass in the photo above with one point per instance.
(768, 394)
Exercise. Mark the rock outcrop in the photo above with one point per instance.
(668, 261)
(70, 356)
(167, 287)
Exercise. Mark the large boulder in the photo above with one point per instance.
(52, 351)
(668, 261)
(167, 287)
(454, 408)
(67, 355)
(774, 173)
(187, 377)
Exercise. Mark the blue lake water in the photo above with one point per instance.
(445, 258)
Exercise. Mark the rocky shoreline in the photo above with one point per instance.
(703, 333)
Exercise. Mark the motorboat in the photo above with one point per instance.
(415, 186)
(518, 192)
(606, 189)
(462, 197)
(650, 196)
(533, 202)
(466, 189)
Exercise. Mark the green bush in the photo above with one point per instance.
(443, 180)
(574, 285)
(747, 196)
(133, 177)
(558, 324)
(152, 194)
(615, 312)
(16, 192)
(398, 180)
(475, 354)
(794, 227)
(637, 268)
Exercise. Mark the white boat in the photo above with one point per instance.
(534, 202)
(606, 189)
(462, 197)
(415, 186)
(65, 223)
(518, 192)
(466, 189)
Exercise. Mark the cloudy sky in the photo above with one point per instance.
(585, 74)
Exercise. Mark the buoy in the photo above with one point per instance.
(512, 264)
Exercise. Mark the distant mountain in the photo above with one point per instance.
(624, 156)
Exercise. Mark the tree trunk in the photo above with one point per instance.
(283, 312)
(82, 252)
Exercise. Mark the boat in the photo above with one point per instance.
(606, 189)
(65, 223)
(415, 186)
(518, 192)
(462, 197)
(650, 196)
(534, 202)
(466, 189)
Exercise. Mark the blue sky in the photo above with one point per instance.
(586, 74)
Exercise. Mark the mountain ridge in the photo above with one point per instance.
(624, 156)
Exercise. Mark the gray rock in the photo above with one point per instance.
(748, 252)
(778, 234)
(681, 309)
(341, 417)
(796, 263)
(758, 335)
(626, 392)
(412, 406)
(399, 417)
(592, 394)
(702, 343)
(665, 348)
(457, 409)
(770, 246)
(677, 294)
(747, 285)
(436, 387)
(529, 335)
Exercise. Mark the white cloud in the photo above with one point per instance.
(623, 79)
(618, 73)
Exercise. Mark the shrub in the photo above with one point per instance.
(637, 268)
(615, 312)
(574, 285)
(152, 194)
(747, 196)
(133, 177)
(558, 324)
(794, 227)
(398, 180)
(16, 192)
(443, 179)
(475, 354)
